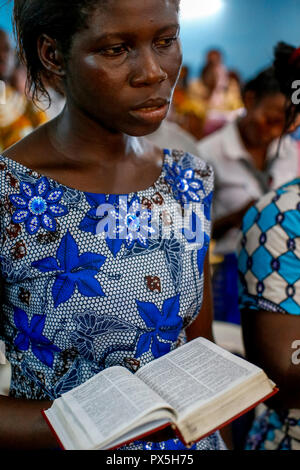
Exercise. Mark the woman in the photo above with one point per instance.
(247, 165)
(74, 302)
(269, 267)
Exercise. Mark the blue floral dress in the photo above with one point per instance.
(92, 281)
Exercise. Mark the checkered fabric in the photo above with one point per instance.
(269, 253)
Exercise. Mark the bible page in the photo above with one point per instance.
(195, 373)
(110, 403)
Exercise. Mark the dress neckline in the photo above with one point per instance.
(12, 162)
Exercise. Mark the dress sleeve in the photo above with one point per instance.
(269, 254)
(205, 173)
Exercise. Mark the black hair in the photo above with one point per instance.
(264, 84)
(60, 20)
(287, 69)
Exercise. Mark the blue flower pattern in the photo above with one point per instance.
(73, 270)
(31, 334)
(165, 325)
(38, 206)
(183, 183)
(125, 223)
(77, 301)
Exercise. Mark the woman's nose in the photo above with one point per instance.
(147, 70)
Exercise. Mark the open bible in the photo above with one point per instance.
(196, 389)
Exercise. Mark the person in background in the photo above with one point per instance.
(18, 77)
(75, 303)
(171, 135)
(216, 91)
(248, 162)
(18, 116)
(269, 273)
(213, 79)
(180, 92)
(185, 112)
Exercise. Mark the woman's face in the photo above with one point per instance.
(123, 68)
(266, 119)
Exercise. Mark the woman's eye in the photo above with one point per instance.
(165, 42)
(114, 50)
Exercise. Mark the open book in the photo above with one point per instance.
(196, 389)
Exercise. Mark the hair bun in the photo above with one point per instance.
(287, 66)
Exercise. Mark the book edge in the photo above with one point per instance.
(140, 437)
(246, 410)
(174, 427)
(52, 429)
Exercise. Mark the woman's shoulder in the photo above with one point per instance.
(12, 173)
(187, 160)
(275, 209)
(17, 163)
(269, 253)
(191, 178)
(186, 163)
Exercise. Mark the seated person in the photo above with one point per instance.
(248, 163)
(269, 268)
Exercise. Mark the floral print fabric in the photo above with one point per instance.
(81, 293)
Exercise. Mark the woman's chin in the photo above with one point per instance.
(146, 131)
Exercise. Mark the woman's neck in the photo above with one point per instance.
(81, 140)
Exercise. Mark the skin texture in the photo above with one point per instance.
(268, 339)
(96, 144)
(91, 145)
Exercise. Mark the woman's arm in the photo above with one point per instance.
(22, 426)
(202, 326)
(268, 339)
(222, 225)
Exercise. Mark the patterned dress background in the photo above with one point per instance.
(269, 268)
(81, 293)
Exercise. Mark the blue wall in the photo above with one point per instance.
(246, 30)
(5, 14)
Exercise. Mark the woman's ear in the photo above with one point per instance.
(50, 56)
(249, 100)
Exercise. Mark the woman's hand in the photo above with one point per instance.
(164, 435)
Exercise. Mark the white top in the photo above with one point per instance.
(171, 136)
(236, 185)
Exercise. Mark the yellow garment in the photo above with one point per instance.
(18, 117)
(228, 99)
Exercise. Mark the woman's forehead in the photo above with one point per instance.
(111, 15)
(275, 102)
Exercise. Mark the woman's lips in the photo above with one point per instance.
(151, 114)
